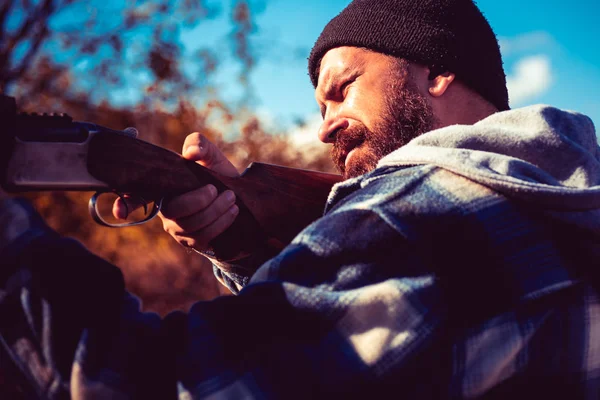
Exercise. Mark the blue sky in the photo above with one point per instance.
(551, 53)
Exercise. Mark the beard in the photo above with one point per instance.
(406, 115)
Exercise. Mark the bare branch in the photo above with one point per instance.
(43, 82)
(243, 27)
(35, 26)
(39, 16)
(26, 4)
(4, 9)
(40, 35)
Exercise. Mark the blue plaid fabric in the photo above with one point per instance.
(417, 282)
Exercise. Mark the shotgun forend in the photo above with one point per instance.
(53, 152)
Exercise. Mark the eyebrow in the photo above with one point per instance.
(332, 78)
(331, 82)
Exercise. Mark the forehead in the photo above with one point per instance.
(340, 59)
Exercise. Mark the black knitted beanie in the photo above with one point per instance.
(445, 35)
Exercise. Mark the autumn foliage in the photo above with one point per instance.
(50, 63)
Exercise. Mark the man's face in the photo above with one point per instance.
(370, 107)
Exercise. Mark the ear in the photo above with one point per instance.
(439, 84)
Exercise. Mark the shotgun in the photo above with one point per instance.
(53, 152)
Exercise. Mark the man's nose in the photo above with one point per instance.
(329, 128)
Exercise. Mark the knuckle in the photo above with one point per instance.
(228, 219)
(205, 197)
(224, 205)
(222, 224)
(198, 223)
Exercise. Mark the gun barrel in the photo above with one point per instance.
(52, 152)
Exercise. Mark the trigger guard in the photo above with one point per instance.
(95, 213)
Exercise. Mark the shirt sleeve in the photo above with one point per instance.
(67, 325)
(344, 310)
(236, 274)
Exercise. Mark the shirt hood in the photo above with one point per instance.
(538, 154)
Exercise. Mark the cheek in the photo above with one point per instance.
(365, 107)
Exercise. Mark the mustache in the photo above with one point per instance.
(345, 141)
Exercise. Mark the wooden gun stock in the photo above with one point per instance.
(275, 202)
(41, 152)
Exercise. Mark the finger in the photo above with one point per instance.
(198, 148)
(200, 220)
(124, 206)
(189, 203)
(200, 240)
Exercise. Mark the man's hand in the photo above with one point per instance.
(197, 217)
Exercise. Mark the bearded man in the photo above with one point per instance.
(455, 261)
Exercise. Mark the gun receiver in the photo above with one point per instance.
(53, 152)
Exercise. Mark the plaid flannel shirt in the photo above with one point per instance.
(416, 282)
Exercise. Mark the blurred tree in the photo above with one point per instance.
(83, 57)
(86, 58)
(105, 45)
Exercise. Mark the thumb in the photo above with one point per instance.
(198, 148)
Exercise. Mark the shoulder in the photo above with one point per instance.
(423, 195)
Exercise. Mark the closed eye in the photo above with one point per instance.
(344, 87)
(337, 91)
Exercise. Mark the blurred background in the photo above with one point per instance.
(235, 71)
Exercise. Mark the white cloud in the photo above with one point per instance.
(305, 144)
(526, 42)
(305, 137)
(306, 134)
(532, 77)
(267, 119)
